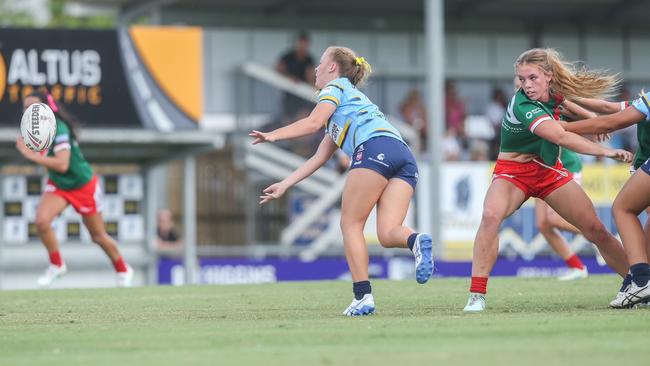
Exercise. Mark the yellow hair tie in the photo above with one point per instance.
(360, 61)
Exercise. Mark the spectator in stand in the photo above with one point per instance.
(454, 111)
(494, 111)
(167, 239)
(455, 122)
(414, 113)
(451, 146)
(479, 150)
(298, 65)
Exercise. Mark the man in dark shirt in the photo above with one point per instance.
(167, 241)
(298, 65)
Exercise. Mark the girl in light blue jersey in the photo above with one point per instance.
(383, 171)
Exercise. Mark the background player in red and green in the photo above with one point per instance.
(71, 182)
(549, 222)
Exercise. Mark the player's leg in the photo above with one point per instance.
(633, 198)
(392, 207)
(391, 211)
(646, 231)
(502, 199)
(573, 204)
(360, 194)
(49, 208)
(95, 225)
(556, 241)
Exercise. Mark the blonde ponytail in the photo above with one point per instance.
(569, 79)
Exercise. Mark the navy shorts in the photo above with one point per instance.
(646, 167)
(387, 156)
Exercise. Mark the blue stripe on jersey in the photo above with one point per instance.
(355, 115)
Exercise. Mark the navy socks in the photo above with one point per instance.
(361, 288)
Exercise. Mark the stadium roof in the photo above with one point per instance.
(506, 15)
(126, 146)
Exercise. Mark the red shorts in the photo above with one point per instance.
(86, 200)
(534, 178)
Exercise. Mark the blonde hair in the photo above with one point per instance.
(351, 66)
(569, 79)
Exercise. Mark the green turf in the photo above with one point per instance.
(529, 322)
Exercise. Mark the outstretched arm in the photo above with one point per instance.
(303, 127)
(606, 123)
(325, 151)
(598, 105)
(552, 131)
(575, 112)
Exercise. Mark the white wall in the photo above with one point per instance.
(477, 61)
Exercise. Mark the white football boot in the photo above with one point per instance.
(635, 295)
(52, 272)
(475, 303)
(574, 274)
(125, 279)
(365, 306)
(617, 303)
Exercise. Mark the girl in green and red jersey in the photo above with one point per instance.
(547, 220)
(71, 181)
(634, 197)
(529, 163)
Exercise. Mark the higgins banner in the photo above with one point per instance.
(150, 77)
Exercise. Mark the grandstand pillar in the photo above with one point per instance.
(151, 212)
(189, 221)
(435, 75)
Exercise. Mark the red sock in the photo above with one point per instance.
(574, 262)
(479, 284)
(55, 258)
(120, 265)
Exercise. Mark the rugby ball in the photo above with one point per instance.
(38, 127)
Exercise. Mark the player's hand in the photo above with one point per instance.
(564, 124)
(620, 155)
(261, 137)
(24, 150)
(602, 137)
(272, 192)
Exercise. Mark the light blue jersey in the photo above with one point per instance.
(356, 119)
(642, 104)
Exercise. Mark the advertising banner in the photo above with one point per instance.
(82, 70)
(225, 271)
(146, 77)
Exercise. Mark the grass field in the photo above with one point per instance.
(529, 322)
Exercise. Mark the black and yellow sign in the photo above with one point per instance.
(81, 68)
(13, 208)
(131, 207)
(111, 184)
(74, 230)
(34, 184)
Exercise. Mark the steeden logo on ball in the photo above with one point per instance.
(38, 127)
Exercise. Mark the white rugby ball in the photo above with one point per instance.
(38, 126)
